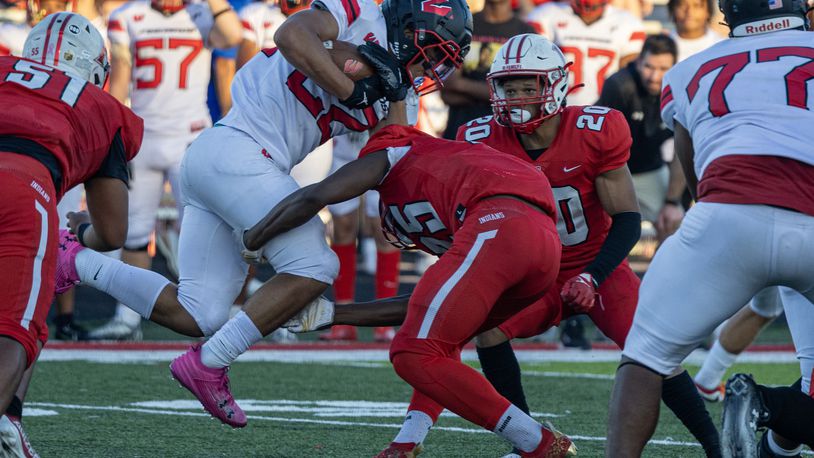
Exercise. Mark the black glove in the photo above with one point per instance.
(395, 81)
(365, 93)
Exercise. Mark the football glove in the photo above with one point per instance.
(393, 76)
(579, 292)
(365, 93)
(315, 316)
(249, 256)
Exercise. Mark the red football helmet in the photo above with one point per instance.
(588, 7)
(168, 7)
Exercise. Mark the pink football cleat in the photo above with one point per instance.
(68, 247)
(210, 386)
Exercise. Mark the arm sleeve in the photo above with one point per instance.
(668, 103)
(613, 145)
(624, 232)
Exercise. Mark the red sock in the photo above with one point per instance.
(345, 283)
(387, 274)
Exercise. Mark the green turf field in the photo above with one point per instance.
(304, 410)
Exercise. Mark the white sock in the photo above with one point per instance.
(415, 428)
(715, 366)
(520, 429)
(127, 316)
(134, 287)
(778, 450)
(231, 341)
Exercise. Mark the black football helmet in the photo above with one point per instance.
(753, 17)
(433, 33)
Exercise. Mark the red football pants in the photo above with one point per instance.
(504, 258)
(28, 250)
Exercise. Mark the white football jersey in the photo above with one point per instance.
(260, 20)
(171, 63)
(12, 38)
(687, 47)
(287, 113)
(746, 96)
(594, 49)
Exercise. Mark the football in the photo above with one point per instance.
(348, 59)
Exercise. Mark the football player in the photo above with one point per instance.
(162, 50)
(599, 39)
(64, 131)
(752, 225)
(583, 151)
(500, 253)
(287, 101)
(260, 21)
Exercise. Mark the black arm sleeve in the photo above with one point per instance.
(623, 234)
(115, 164)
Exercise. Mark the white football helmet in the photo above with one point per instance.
(69, 42)
(524, 56)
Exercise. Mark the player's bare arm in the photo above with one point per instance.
(300, 39)
(616, 192)
(246, 50)
(350, 181)
(107, 215)
(226, 30)
(121, 61)
(626, 59)
(686, 154)
(672, 212)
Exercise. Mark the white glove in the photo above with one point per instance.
(315, 316)
(249, 256)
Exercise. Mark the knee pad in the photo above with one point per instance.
(767, 303)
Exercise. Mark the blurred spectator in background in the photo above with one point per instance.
(162, 48)
(466, 91)
(598, 39)
(692, 26)
(346, 217)
(635, 91)
(638, 8)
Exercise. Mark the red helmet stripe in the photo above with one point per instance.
(508, 50)
(48, 38)
(520, 49)
(59, 40)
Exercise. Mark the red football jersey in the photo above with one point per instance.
(76, 122)
(590, 141)
(432, 182)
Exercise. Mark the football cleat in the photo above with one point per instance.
(554, 445)
(13, 440)
(67, 248)
(339, 332)
(210, 386)
(116, 330)
(71, 331)
(711, 394)
(766, 451)
(317, 315)
(398, 450)
(743, 414)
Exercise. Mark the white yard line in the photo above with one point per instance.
(357, 356)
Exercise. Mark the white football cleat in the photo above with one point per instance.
(319, 314)
(13, 441)
(116, 330)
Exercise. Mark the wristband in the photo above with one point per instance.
(80, 233)
(225, 10)
(676, 202)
